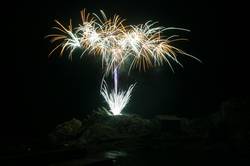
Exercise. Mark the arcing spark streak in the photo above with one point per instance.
(139, 46)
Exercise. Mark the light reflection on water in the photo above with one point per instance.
(115, 154)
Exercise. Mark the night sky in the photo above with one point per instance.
(41, 92)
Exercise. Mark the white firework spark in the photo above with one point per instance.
(69, 39)
(116, 100)
(144, 45)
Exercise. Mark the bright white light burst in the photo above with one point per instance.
(116, 100)
(139, 46)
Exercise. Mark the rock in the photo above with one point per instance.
(170, 123)
(236, 116)
(117, 127)
(98, 132)
(99, 126)
(66, 131)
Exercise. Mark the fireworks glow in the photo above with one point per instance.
(116, 100)
(139, 46)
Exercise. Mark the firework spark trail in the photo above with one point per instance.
(142, 45)
(116, 79)
(116, 100)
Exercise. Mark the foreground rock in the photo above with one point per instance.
(229, 127)
(101, 127)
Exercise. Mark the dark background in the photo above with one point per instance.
(40, 92)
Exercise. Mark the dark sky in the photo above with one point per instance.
(42, 92)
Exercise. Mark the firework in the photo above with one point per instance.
(116, 100)
(138, 46)
(69, 39)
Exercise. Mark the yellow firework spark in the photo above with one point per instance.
(144, 45)
(140, 46)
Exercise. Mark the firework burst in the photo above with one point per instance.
(116, 100)
(144, 46)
